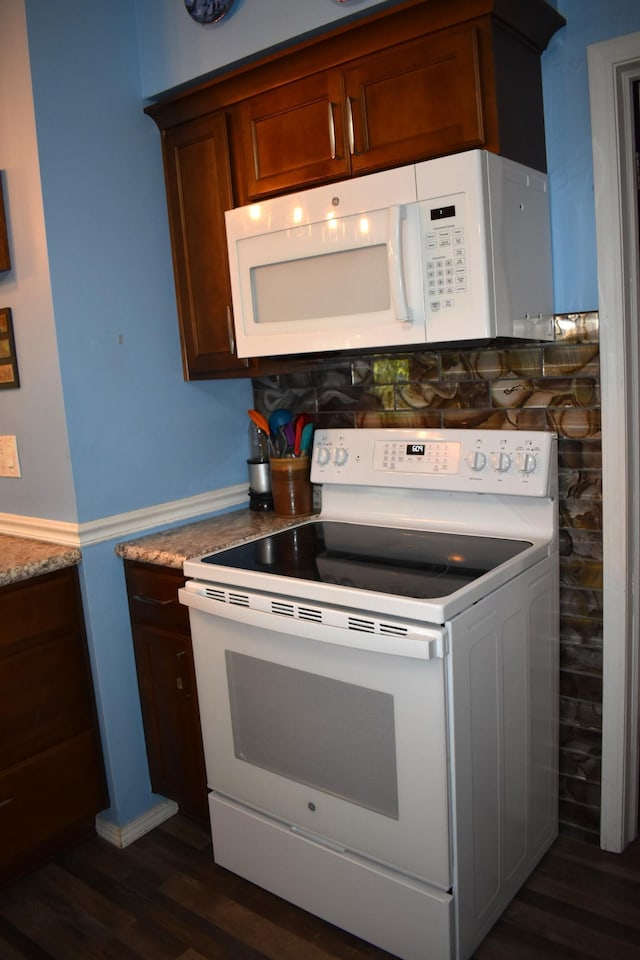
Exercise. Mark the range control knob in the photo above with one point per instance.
(323, 455)
(501, 461)
(476, 460)
(341, 456)
(526, 462)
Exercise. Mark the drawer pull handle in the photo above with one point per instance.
(154, 601)
(5, 803)
(181, 680)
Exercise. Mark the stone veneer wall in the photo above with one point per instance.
(528, 386)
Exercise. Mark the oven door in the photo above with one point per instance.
(338, 733)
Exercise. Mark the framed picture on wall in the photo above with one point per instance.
(5, 259)
(8, 360)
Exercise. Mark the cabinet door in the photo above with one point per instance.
(198, 180)
(166, 680)
(415, 100)
(292, 136)
(171, 719)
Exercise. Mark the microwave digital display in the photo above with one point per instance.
(443, 213)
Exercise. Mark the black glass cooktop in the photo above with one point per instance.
(410, 563)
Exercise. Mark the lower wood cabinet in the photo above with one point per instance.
(52, 781)
(166, 679)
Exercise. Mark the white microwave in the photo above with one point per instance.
(448, 250)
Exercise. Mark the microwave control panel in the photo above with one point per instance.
(445, 252)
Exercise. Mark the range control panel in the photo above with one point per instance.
(485, 461)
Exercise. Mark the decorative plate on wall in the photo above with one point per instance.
(208, 11)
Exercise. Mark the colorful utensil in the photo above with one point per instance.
(290, 434)
(299, 426)
(306, 438)
(259, 420)
(277, 419)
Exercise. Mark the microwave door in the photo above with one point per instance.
(341, 284)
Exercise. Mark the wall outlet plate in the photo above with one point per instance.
(9, 463)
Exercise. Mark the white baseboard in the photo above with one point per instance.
(123, 836)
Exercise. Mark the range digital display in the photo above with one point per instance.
(416, 450)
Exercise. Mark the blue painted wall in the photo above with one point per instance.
(35, 412)
(174, 48)
(137, 434)
(568, 131)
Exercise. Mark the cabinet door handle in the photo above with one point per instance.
(352, 138)
(154, 601)
(231, 336)
(5, 803)
(332, 130)
(182, 682)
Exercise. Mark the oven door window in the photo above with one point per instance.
(334, 736)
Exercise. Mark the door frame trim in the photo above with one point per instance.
(613, 66)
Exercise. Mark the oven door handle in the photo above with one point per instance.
(311, 621)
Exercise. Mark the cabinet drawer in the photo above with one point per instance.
(45, 695)
(46, 606)
(153, 597)
(46, 796)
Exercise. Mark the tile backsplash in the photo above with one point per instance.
(553, 386)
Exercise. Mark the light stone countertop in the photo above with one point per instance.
(22, 558)
(170, 548)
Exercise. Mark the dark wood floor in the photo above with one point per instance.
(162, 898)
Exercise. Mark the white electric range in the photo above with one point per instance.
(378, 686)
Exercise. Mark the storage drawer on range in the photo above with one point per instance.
(153, 596)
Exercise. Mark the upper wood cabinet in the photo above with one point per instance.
(292, 135)
(198, 181)
(416, 99)
(420, 79)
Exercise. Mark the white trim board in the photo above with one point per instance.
(613, 67)
(123, 525)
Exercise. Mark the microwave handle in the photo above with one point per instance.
(396, 271)
(231, 336)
